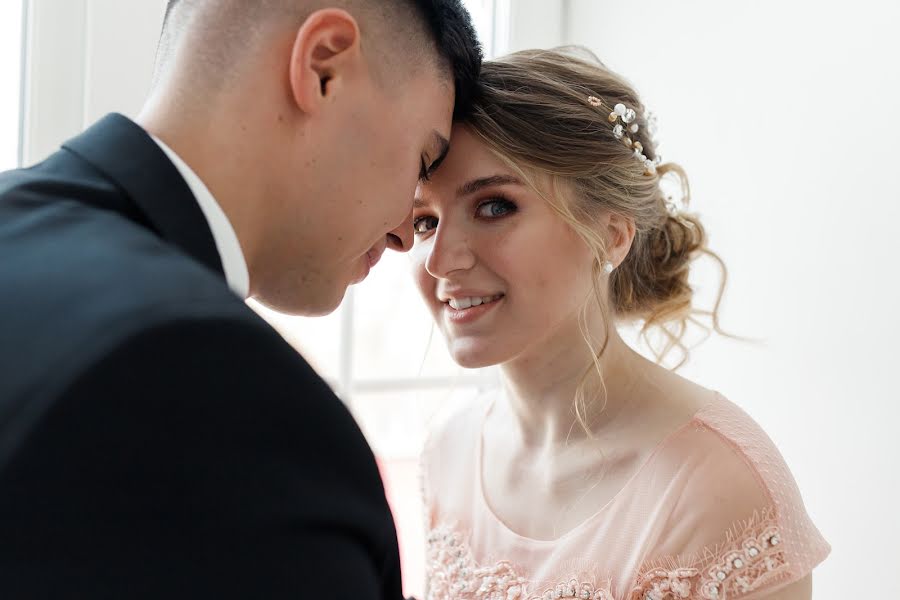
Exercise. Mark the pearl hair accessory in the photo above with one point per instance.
(622, 119)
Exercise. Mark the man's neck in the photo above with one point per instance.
(217, 157)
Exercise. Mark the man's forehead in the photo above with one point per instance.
(434, 82)
(441, 141)
(437, 104)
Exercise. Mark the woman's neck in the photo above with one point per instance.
(542, 383)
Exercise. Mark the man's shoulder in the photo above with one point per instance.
(78, 278)
(97, 258)
(80, 260)
(214, 381)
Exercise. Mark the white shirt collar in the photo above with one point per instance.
(230, 253)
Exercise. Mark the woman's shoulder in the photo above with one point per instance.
(739, 523)
(736, 472)
(457, 422)
(728, 439)
(735, 443)
(447, 461)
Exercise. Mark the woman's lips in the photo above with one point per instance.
(471, 313)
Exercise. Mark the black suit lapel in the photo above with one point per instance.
(125, 153)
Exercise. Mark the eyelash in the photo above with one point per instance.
(508, 205)
(509, 208)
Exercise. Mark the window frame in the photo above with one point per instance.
(23, 65)
(18, 102)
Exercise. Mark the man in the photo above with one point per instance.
(157, 439)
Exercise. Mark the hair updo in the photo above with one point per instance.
(533, 112)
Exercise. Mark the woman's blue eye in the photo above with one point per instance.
(424, 224)
(493, 209)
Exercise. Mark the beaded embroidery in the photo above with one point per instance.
(753, 558)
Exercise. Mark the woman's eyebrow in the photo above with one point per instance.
(482, 182)
(474, 185)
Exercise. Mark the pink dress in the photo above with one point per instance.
(713, 513)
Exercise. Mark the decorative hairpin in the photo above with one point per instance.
(622, 119)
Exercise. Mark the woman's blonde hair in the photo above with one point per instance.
(533, 112)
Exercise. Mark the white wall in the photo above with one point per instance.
(121, 84)
(10, 69)
(532, 24)
(85, 58)
(785, 115)
(54, 75)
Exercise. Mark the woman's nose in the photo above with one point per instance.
(450, 251)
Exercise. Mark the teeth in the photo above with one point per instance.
(461, 304)
(464, 303)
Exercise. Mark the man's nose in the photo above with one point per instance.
(400, 238)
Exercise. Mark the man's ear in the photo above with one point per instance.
(326, 51)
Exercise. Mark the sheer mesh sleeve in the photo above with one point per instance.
(740, 529)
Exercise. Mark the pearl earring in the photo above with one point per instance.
(608, 267)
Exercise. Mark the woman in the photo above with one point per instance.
(593, 472)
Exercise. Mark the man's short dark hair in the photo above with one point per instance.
(445, 25)
(457, 44)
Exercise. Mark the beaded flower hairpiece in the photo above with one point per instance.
(622, 119)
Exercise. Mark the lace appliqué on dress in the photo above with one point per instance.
(453, 574)
(753, 558)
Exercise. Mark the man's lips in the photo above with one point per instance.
(376, 252)
(374, 255)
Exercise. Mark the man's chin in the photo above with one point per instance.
(305, 305)
(361, 276)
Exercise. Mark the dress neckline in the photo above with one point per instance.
(485, 506)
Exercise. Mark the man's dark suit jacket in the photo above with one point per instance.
(157, 438)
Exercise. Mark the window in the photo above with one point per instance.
(491, 20)
(11, 21)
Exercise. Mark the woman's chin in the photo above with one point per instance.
(474, 355)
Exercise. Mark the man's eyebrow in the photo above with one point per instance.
(482, 182)
(443, 148)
